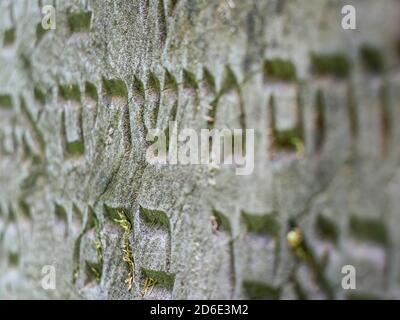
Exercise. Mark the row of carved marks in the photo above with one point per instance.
(152, 21)
(76, 116)
(285, 106)
(22, 150)
(325, 242)
(286, 102)
(139, 265)
(155, 105)
(262, 275)
(79, 22)
(190, 103)
(258, 261)
(22, 141)
(375, 99)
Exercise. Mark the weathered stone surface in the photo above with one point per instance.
(77, 193)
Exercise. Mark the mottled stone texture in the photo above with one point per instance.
(77, 193)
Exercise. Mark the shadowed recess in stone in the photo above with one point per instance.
(326, 228)
(385, 121)
(209, 85)
(153, 95)
(117, 91)
(222, 221)
(37, 134)
(352, 107)
(27, 149)
(305, 253)
(74, 148)
(369, 229)
(284, 140)
(334, 64)
(172, 6)
(229, 81)
(79, 21)
(70, 92)
(6, 102)
(115, 88)
(39, 95)
(189, 80)
(113, 213)
(279, 70)
(93, 269)
(288, 139)
(61, 218)
(153, 84)
(372, 58)
(32, 179)
(320, 121)
(9, 36)
(155, 218)
(163, 279)
(11, 215)
(122, 218)
(171, 92)
(229, 84)
(261, 224)
(26, 62)
(25, 210)
(40, 32)
(99, 248)
(170, 82)
(260, 291)
(209, 80)
(13, 259)
(93, 272)
(362, 296)
(77, 217)
(138, 90)
(91, 91)
(398, 48)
